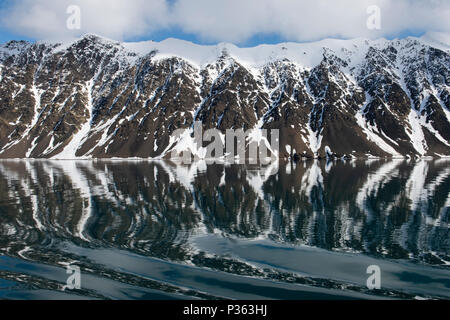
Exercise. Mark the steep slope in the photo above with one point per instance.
(97, 98)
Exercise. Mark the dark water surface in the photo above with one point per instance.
(156, 230)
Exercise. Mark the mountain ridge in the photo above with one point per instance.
(98, 98)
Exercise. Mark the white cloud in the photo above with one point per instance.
(227, 20)
(117, 19)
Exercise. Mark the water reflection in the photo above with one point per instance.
(202, 216)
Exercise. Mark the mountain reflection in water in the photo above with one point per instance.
(156, 230)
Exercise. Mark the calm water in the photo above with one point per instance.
(155, 230)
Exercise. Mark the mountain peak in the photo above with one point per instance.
(94, 38)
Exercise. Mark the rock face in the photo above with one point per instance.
(96, 98)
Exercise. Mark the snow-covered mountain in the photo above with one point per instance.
(97, 98)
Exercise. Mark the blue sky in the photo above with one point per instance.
(7, 35)
(243, 22)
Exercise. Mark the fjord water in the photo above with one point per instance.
(157, 230)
